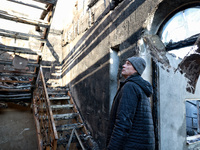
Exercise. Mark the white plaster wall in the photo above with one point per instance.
(114, 65)
(172, 107)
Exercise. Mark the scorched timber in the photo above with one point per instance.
(40, 23)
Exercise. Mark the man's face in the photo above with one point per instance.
(128, 69)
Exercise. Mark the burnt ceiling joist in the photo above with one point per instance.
(184, 43)
(27, 4)
(19, 35)
(40, 23)
(21, 46)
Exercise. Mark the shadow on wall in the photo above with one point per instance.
(98, 35)
(90, 89)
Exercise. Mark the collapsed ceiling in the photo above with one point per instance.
(24, 26)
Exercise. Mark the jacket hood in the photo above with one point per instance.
(145, 85)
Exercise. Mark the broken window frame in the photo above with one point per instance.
(194, 138)
(178, 45)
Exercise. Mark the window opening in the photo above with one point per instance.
(114, 66)
(181, 31)
(192, 120)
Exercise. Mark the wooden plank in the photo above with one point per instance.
(16, 87)
(47, 1)
(15, 81)
(19, 35)
(60, 98)
(48, 105)
(7, 16)
(57, 93)
(16, 71)
(15, 98)
(16, 95)
(65, 116)
(79, 140)
(69, 127)
(15, 90)
(42, 17)
(27, 4)
(70, 139)
(67, 106)
(37, 125)
(17, 74)
(3, 62)
(19, 50)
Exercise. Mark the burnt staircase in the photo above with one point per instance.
(72, 133)
(22, 39)
(59, 123)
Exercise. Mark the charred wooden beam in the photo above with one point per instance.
(16, 71)
(40, 23)
(15, 90)
(15, 81)
(60, 98)
(3, 62)
(27, 4)
(16, 95)
(184, 43)
(19, 50)
(57, 107)
(19, 35)
(17, 74)
(47, 1)
(65, 116)
(15, 98)
(44, 14)
(15, 87)
(69, 127)
(20, 101)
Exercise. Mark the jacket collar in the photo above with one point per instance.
(128, 79)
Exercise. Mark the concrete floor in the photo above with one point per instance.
(17, 128)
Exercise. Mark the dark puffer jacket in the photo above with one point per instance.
(131, 125)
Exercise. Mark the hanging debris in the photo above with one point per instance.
(19, 62)
(190, 65)
(157, 49)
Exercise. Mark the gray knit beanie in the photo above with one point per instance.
(138, 63)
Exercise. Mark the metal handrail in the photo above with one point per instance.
(45, 125)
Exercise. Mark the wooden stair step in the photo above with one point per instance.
(69, 127)
(57, 93)
(60, 98)
(65, 116)
(58, 90)
(56, 107)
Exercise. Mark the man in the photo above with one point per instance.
(131, 125)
